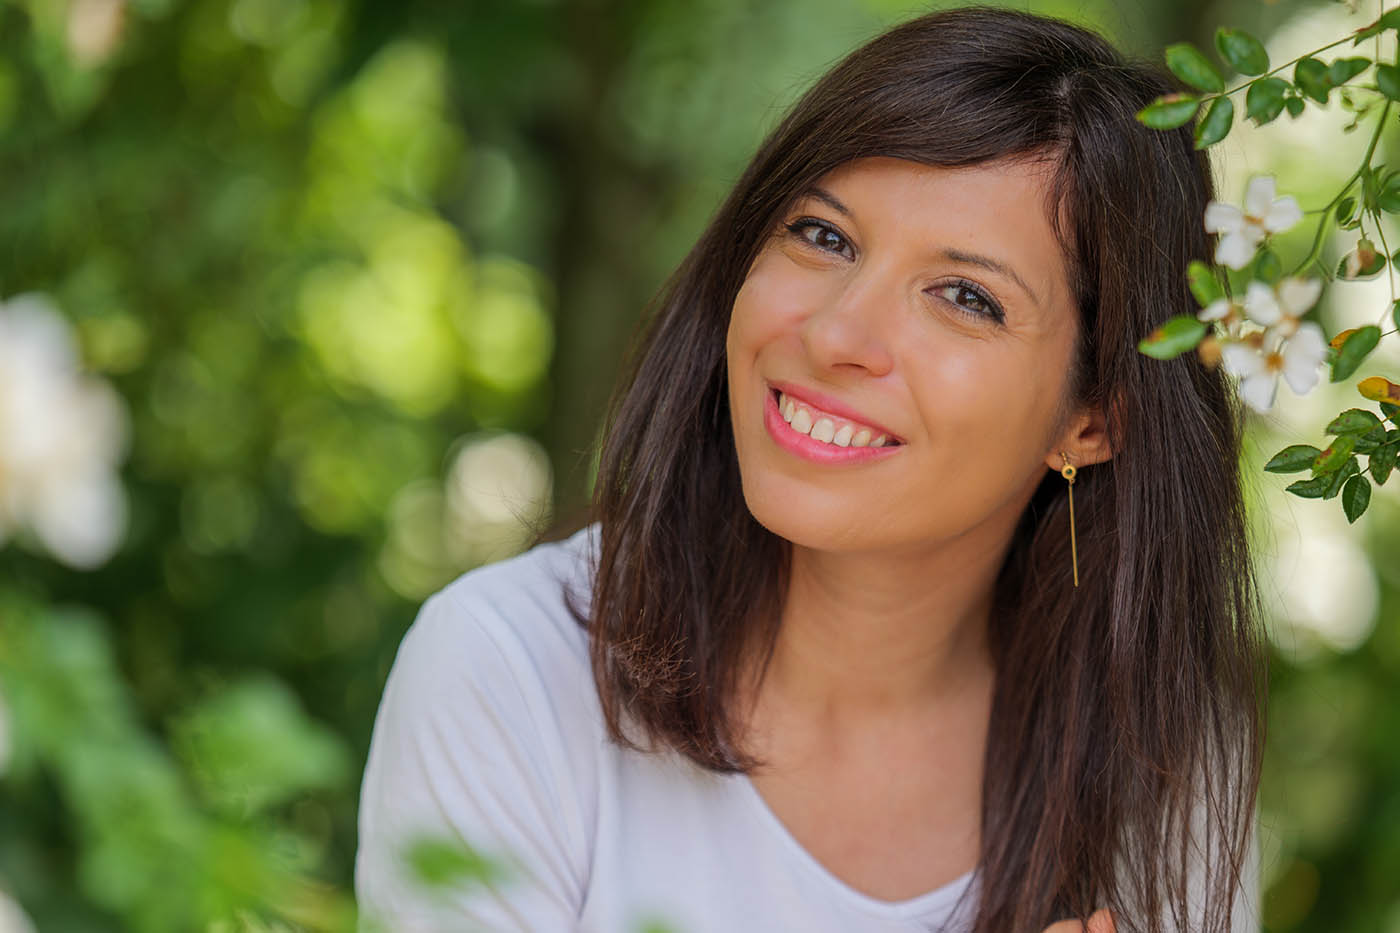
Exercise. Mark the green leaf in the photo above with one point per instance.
(1353, 421)
(251, 747)
(1390, 20)
(1334, 456)
(1356, 348)
(1348, 470)
(1368, 442)
(1313, 488)
(1311, 77)
(1383, 461)
(1245, 53)
(1344, 210)
(1204, 283)
(1292, 459)
(1173, 338)
(1356, 495)
(1264, 100)
(1344, 69)
(453, 864)
(1388, 198)
(1267, 266)
(1169, 111)
(1395, 313)
(1214, 126)
(1294, 105)
(1388, 80)
(1191, 65)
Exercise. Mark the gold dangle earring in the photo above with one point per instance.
(1068, 471)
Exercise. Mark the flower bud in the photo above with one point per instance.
(1209, 351)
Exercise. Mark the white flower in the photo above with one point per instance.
(1244, 230)
(1296, 360)
(1281, 306)
(62, 435)
(1217, 310)
(13, 919)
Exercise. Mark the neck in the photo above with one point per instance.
(875, 634)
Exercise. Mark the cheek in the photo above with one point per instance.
(985, 401)
(771, 303)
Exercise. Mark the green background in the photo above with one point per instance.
(363, 273)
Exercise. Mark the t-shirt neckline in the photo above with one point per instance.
(941, 898)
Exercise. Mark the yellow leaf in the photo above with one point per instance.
(1379, 389)
(1336, 342)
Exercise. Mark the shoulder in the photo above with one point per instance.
(511, 617)
(500, 647)
(489, 733)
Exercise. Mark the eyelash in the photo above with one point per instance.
(994, 311)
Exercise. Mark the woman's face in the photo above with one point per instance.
(928, 307)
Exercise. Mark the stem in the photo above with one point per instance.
(1389, 272)
(1322, 224)
(1294, 61)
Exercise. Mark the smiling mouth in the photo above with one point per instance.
(827, 428)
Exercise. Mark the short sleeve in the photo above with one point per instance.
(462, 753)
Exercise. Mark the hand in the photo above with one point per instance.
(1100, 922)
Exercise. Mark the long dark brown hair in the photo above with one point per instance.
(1126, 727)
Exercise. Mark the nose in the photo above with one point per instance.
(849, 331)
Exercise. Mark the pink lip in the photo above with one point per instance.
(803, 446)
(832, 407)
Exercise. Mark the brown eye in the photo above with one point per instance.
(819, 235)
(970, 299)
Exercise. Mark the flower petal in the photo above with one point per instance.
(1297, 295)
(1259, 196)
(1302, 355)
(1223, 218)
(1240, 359)
(1283, 214)
(1258, 391)
(1236, 249)
(1216, 310)
(1261, 304)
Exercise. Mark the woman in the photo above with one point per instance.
(835, 655)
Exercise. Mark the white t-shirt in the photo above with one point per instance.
(490, 732)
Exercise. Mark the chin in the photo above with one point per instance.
(813, 518)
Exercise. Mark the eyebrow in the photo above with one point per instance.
(956, 255)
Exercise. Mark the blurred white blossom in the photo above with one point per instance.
(1258, 368)
(1264, 337)
(1243, 230)
(13, 919)
(95, 29)
(62, 436)
(1282, 306)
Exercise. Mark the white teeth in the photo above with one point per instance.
(824, 429)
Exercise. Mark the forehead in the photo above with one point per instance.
(997, 210)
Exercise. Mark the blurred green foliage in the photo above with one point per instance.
(363, 272)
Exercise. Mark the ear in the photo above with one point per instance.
(1084, 441)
